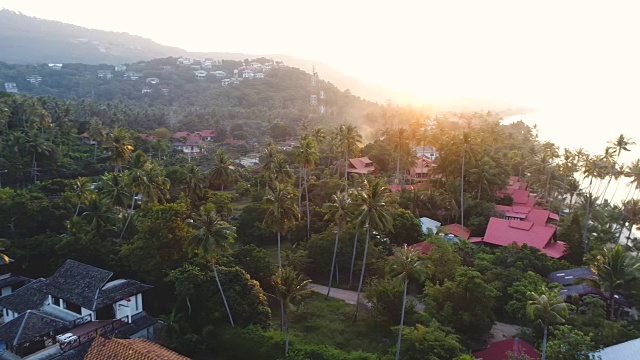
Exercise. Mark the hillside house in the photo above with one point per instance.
(219, 74)
(313, 100)
(148, 137)
(421, 168)
(427, 151)
(526, 213)
(208, 135)
(164, 89)
(258, 75)
(288, 145)
(184, 61)
(247, 74)
(200, 74)
(105, 74)
(86, 139)
(132, 75)
(207, 64)
(120, 68)
(129, 349)
(236, 80)
(146, 90)
(153, 80)
(226, 82)
(58, 314)
(34, 79)
(190, 146)
(625, 350)
(457, 230)
(503, 232)
(11, 87)
(361, 165)
(55, 66)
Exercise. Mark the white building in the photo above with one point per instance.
(132, 75)
(76, 301)
(247, 74)
(120, 68)
(11, 87)
(226, 82)
(626, 350)
(146, 90)
(426, 151)
(200, 74)
(153, 80)
(258, 75)
(55, 66)
(219, 74)
(34, 79)
(105, 74)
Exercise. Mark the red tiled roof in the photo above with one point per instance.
(422, 165)
(208, 133)
(361, 163)
(181, 134)
(424, 247)
(458, 230)
(501, 350)
(535, 215)
(129, 349)
(148, 137)
(235, 142)
(475, 239)
(505, 232)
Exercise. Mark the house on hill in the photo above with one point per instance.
(208, 135)
(420, 169)
(55, 66)
(625, 350)
(200, 74)
(120, 68)
(526, 213)
(247, 74)
(457, 230)
(153, 80)
(61, 313)
(502, 232)
(34, 79)
(11, 87)
(105, 74)
(361, 165)
(508, 349)
(428, 152)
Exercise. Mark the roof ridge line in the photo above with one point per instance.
(24, 320)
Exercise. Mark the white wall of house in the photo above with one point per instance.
(8, 315)
(6, 291)
(129, 308)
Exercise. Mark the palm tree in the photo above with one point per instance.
(97, 134)
(213, 235)
(194, 181)
(372, 213)
(97, 215)
(281, 213)
(37, 144)
(620, 144)
(289, 288)
(307, 155)
(406, 264)
(486, 175)
(338, 210)
(84, 192)
(223, 169)
(348, 138)
(616, 271)
(114, 190)
(137, 181)
(548, 308)
(318, 134)
(631, 210)
(120, 145)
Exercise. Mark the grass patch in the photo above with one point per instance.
(322, 321)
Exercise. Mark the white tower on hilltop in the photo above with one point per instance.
(317, 95)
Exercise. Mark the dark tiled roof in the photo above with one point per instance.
(78, 283)
(30, 325)
(139, 322)
(569, 277)
(119, 290)
(29, 297)
(130, 349)
(12, 280)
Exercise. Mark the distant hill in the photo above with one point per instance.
(30, 40)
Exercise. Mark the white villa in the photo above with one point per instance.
(153, 80)
(200, 74)
(56, 315)
(426, 151)
(247, 74)
(226, 82)
(120, 68)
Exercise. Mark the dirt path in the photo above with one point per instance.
(349, 296)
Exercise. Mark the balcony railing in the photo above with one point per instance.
(105, 329)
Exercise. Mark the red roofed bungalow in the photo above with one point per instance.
(423, 247)
(502, 232)
(421, 168)
(361, 165)
(457, 230)
(517, 184)
(526, 213)
(208, 135)
(148, 137)
(505, 349)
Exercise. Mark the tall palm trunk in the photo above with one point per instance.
(398, 164)
(544, 343)
(404, 305)
(133, 202)
(306, 195)
(585, 235)
(77, 209)
(612, 306)
(333, 261)
(280, 268)
(286, 336)
(300, 189)
(353, 259)
(346, 167)
(279, 252)
(462, 190)
(224, 298)
(364, 265)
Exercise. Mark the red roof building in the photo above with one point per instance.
(148, 137)
(421, 168)
(208, 134)
(502, 232)
(361, 165)
(457, 230)
(423, 247)
(526, 213)
(503, 350)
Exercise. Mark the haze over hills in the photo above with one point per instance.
(30, 40)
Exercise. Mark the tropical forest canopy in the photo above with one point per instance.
(230, 249)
